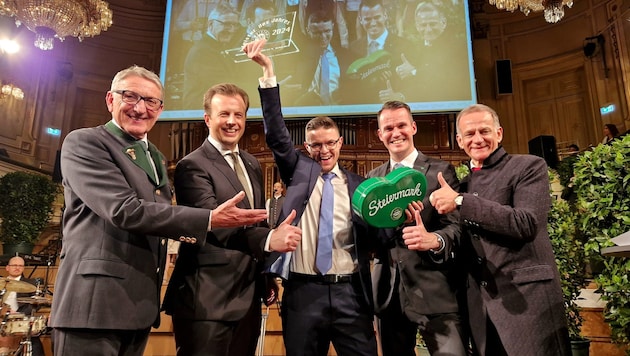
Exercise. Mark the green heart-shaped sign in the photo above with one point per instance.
(381, 201)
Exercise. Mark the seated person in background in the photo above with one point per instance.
(257, 11)
(15, 270)
(610, 132)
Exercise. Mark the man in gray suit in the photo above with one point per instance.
(514, 297)
(414, 279)
(118, 215)
(215, 291)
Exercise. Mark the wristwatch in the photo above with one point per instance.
(440, 240)
(459, 200)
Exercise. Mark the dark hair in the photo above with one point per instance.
(259, 4)
(321, 122)
(613, 129)
(393, 105)
(319, 17)
(574, 147)
(227, 89)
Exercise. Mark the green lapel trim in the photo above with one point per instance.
(135, 152)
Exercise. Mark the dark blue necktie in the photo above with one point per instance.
(324, 80)
(323, 261)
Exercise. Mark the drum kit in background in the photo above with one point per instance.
(17, 329)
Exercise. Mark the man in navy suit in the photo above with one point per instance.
(321, 304)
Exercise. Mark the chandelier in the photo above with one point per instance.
(59, 18)
(553, 9)
(10, 90)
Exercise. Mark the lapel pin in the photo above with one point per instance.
(132, 153)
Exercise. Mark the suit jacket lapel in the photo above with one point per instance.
(222, 166)
(135, 152)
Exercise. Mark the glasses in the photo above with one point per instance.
(134, 98)
(231, 25)
(15, 265)
(329, 145)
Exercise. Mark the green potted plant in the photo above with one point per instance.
(570, 259)
(602, 184)
(26, 205)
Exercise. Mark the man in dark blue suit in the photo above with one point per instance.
(321, 304)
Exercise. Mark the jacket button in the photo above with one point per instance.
(475, 236)
(480, 260)
(476, 194)
(158, 192)
(484, 284)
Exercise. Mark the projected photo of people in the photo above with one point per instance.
(331, 57)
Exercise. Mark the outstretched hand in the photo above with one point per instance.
(229, 215)
(443, 199)
(286, 237)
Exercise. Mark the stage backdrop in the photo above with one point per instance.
(415, 51)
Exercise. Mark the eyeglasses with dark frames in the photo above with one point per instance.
(231, 25)
(133, 98)
(318, 146)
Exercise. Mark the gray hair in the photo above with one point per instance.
(478, 108)
(137, 71)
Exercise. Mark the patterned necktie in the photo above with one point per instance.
(145, 147)
(324, 79)
(323, 261)
(241, 177)
(397, 165)
(373, 47)
(274, 212)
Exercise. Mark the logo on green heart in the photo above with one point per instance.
(381, 201)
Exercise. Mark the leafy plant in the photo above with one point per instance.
(25, 206)
(602, 184)
(570, 259)
(462, 170)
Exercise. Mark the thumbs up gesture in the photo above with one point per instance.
(405, 69)
(416, 237)
(285, 237)
(443, 199)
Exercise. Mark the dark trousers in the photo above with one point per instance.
(314, 315)
(443, 334)
(81, 342)
(218, 338)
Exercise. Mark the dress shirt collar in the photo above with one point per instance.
(222, 150)
(408, 161)
(380, 40)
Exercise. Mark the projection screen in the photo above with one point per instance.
(331, 57)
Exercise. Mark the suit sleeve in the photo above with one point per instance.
(195, 187)
(92, 173)
(277, 134)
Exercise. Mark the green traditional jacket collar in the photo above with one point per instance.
(135, 152)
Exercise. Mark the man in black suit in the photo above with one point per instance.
(327, 278)
(415, 283)
(321, 70)
(118, 217)
(215, 291)
(377, 80)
